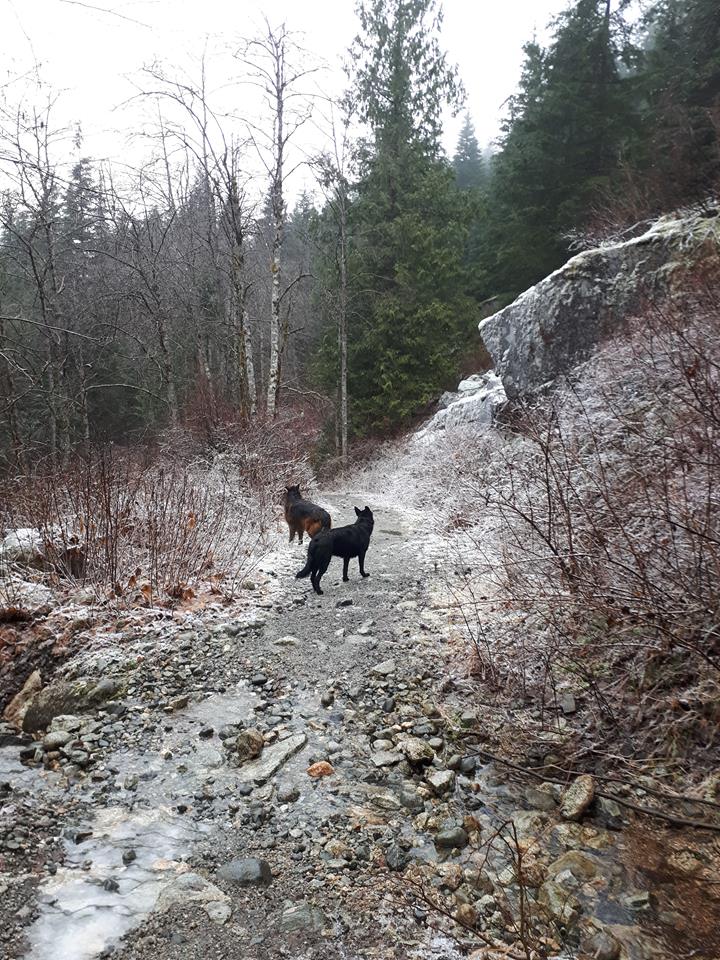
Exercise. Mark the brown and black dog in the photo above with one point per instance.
(304, 516)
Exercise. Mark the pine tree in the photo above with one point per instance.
(468, 161)
(563, 137)
(408, 225)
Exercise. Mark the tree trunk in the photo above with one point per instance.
(342, 335)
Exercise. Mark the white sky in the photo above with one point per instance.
(93, 57)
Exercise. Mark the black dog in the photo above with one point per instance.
(345, 542)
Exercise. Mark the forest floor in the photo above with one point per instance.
(136, 832)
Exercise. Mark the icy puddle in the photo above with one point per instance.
(95, 898)
(112, 878)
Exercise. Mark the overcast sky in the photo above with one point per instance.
(94, 57)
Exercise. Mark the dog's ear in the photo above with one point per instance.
(357, 511)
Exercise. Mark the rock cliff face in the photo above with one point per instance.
(555, 324)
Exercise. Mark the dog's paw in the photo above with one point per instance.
(366, 574)
(346, 579)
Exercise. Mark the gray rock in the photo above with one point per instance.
(475, 403)
(452, 837)
(555, 324)
(273, 757)
(302, 916)
(56, 740)
(288, 793)
(246, 873)
(386, 758)
(411, 800)
(384, 669)
(78, 696)
(416, 751)
(442, 781)
(189, 888)
(578, 797)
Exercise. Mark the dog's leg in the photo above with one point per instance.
(361, 562)
(315, 580)
(346, 561)
(292, 533)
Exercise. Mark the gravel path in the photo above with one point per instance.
(285, 777)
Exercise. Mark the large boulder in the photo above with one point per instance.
(555, 324)
(69, 697)
(475, 402)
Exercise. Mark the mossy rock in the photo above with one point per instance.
(75, 697)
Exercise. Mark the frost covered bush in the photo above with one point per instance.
(589, 535)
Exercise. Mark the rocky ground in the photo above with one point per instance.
(297, 776)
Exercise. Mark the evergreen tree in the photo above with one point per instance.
(468, 161)
(565, 132)
(408, 225)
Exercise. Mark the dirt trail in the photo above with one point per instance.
(163, 847)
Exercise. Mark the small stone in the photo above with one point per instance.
(248, 744)
(384, 669)
(451, 838)
(386, 758)
(466, 915)
(287, 641)
(346, 602)
(328, 698)
(603, 946)
(395, 858)
(442, 781)
(128, 857)
(287, 793)
(560, 903)
(302, 916)
(321, 769)
(218, 911)
(388, 705)
(566, 702)
(411, 800)
(56, 740)
(578, 797)
(206, 733)
(417, 751)
(246, 873)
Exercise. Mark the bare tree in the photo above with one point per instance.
(270, 62)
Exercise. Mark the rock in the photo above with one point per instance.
(555, 324)
(248, 744)
(451, 875)
(273, 757)
(442, 781)
(581, 865)
(18, 706)
(559, 903)
(206, 733)
(218, 911)
(452, 837)
(73, 697)
(302, 916)
(602, 946)
(56, 740)
(395, 857)
(566, 702)
(386, 758)
(578, 797)
(475, 403)
(190, 888)
(411, 800)
(128, 857)
(246, 873)
(384, 669)
(540, 799)
(346, 602)
(321, 769)
(416, 751)
(24, 547)
(466, 915)
(287, 642)
(328, 698)
(287, 793)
